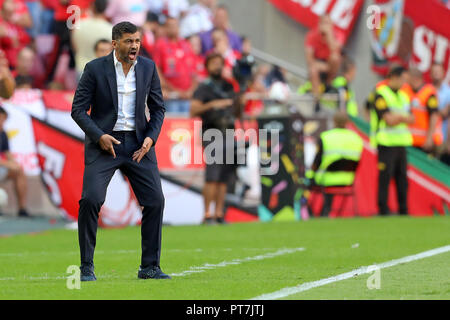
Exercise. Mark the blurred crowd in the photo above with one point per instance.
(47, 43)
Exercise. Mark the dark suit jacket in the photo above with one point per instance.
(97, 90)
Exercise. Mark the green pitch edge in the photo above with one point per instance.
(420, 160)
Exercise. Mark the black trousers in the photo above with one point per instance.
(146, 183)
(327, 203)
(392, 163)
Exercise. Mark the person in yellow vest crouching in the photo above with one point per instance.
(338, 154)
(427, 127)
(390, 118)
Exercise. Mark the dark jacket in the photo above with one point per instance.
(97, 90)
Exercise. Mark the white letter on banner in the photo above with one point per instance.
(303, 3)
(441, 49)
(320, 7)
(53, 169)
(421, 48)
(342, 13)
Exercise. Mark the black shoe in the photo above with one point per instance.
(152, 273)
(221, 220)
(23, 213)
(209, 220)
(87, 273)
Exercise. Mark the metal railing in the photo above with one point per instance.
(292, 68)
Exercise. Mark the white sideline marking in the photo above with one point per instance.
(282, 293)
(208, 266)
(26, 253)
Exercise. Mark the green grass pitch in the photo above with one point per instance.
(238, 261)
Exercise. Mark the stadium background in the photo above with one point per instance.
(263, 28)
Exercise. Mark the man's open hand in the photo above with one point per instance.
(139, 154)
(106, 143)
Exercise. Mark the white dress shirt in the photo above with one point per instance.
(126, 90)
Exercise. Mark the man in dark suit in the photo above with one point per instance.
(116, 89)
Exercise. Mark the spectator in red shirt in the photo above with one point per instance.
(21, 15)
(26, 67)
(323, 53)
(13, 37)
(177, 75)
(198, 60)
(255, 92)
(63, 35)
(150, 34)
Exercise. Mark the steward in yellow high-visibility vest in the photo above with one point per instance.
(338, 154)
(389, 119)
(342, 83)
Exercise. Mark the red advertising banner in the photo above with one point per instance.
(343, 13)
(179, 144)
(61, 158)
(58, 100)
(413, 33)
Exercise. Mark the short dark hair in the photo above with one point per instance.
(396, 71)
(212, 56)
(99, 42)
(123, 27)
(152, 17)
(100, 6)
(23, 80)
(3, 111)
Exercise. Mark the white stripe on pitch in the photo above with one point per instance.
(208, 266)
(282, 293)
(195, 269)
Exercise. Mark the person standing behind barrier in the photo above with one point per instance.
(338, 154)
(342, 83)
(392, 117)
(426, 129)
(213, 102)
